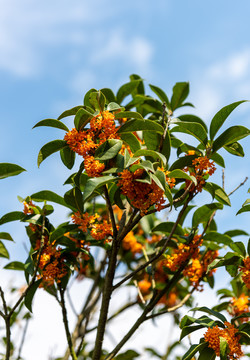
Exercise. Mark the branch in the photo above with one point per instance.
(66, 324)
(111, 213)
(241, 184)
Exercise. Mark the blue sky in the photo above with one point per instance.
(52, 52)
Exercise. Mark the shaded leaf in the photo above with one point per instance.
(68, 157)
(7, 170)
(15, 265)
(127, 89)
(154, 154)
(47, 195)
(30, 294)
(70, 112)
(194, 129)
(11, 216)
(140, 125)
(5, 236)
(50, 148)
(128, 115)
(161, 95)
(245, 208)
(95, 183)
(230, 135)
(180, 93)
(203, 213)
(108, 150)
(3, 251)
(52, 123)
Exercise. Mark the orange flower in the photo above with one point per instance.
(28, 207)
(246, 272)
(212, 336)
(93, 167)
(131, 244)
(169, 300)
(239, 306)
(144, 286)
(141, 197)
(183, 253)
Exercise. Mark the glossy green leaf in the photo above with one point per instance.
(140, 125)
(235, 232)
(52, 123)
(183, 162)
(207, 354)
(166, 228)
(113, 106)
(128, 115)
(154, 154)
(245, 208)
(203, 213)
(47, 195)
(110, 96)
(193, 119)
(210, 312)
(161, 94)
(218, 159)
(218, 238)
(230, 135)
(186, 330)
(11, 216)
(74, 199)
(30, 294)
(146, 165)
(5, 236)
(218, 193)
(95, 183)
(3, 251)
(108, 150)
(50, 148)
(7, 170)
(70, 112)
(220, 117)
(68, 157)
(131, 140)
(239, 248)
(82, 118)
(194, 129)
(127, 355)
(235, 149)
(126, 90)
(97, 100)
(180, 93)
(15, 265)
(180, 174)
(224, 349)
(86, 98)
(193, 350)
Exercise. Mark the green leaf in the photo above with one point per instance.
(81, 119)
(180, 93)
(110, 96)
(50, 148)
(232, 134)
(108, 150)
(243, 209)
(218, 193)
(235, 149)
(194, 129)
(52, 123)
(97, 100)
(131, 140)
(180, 174)
(7, 170)
(140, 125)
(5, 236)
(182, 162)
(239, 248)
(129, 115)
(207, 354)
(30, 294)
(224, 348)
(3, 251)
(203, 213)
(15, 265)
(70, 112)
(186, 330)
(47, 195)
(218, 238)
(193, 350)
(235, 232)
(68, 157)
(74, 199)
(127, 89)
(161, 95)
(193, 119)
(218, 159)
(166, 228)
(211, 312)
(221, 116)
(154, 154)
(127, 355)
(12, 216)
(95, 183)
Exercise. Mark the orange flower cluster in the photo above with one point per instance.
(169, 300)
(144, 286)
(239, 306)
(200, 169)
(246, 272)
(183, 253)
(130, 243)
(196, 270)
(85, 143)
(99, 231)
(212, 336)
(141, 197)
(51, 265)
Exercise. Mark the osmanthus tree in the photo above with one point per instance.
(133, 173)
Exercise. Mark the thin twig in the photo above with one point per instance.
(111, 213)
(241, 184)
(23, 338)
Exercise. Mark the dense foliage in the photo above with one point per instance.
(137, 167)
